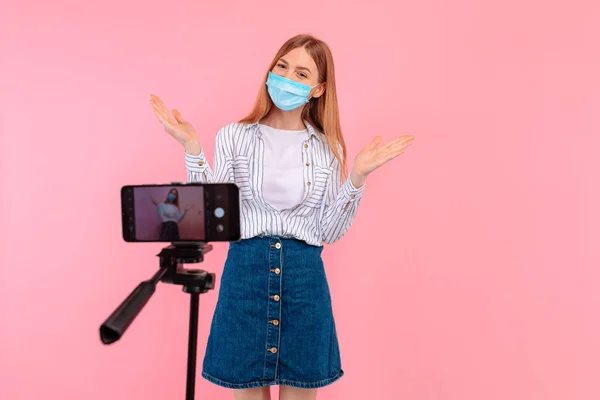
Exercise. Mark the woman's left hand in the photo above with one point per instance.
(188, 207)
(373, 157)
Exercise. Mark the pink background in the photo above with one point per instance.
(472, 269)
(147, 222)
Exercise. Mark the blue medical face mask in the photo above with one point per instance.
(171, 197)
(286, 93)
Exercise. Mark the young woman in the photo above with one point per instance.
(170, 216)
(273, 323)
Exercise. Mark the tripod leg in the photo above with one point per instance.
(192, 344)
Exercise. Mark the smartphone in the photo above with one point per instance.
(181, 212)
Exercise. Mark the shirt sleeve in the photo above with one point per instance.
(198, 168)
(180, 215)
(341, 205)
(160, 212)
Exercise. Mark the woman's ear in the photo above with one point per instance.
(319, 90)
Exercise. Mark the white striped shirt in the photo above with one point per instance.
(329, 205)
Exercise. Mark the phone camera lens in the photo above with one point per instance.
(219, 212)
(219, 228)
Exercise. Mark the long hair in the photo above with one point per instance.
(322, 112)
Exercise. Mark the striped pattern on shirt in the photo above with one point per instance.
(327, 209)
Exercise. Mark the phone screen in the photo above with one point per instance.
(180, 213)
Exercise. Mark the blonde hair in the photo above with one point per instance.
(322, 112)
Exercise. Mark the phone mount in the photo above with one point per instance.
(172, 271)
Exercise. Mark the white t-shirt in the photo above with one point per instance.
(283, 179)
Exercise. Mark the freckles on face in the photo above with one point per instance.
(298, 66)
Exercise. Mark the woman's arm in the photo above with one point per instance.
(341, 205)
(341, 201)
(198, 169)
(181, 215)
(160, 211)
(184, 212)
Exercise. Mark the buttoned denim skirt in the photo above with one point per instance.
(273, 323)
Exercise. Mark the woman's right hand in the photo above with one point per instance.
(174, 125)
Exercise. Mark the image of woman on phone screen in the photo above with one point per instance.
(273, 323)
(170, 216)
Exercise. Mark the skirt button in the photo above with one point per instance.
(278, 246)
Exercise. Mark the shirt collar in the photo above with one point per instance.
(312, 132)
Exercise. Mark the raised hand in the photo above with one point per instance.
(373, 157)
(174, 124)
(189, 207)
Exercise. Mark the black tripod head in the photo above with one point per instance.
(172, 270)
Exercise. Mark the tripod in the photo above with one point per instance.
(194, 282)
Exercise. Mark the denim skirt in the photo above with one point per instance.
(273, 323)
